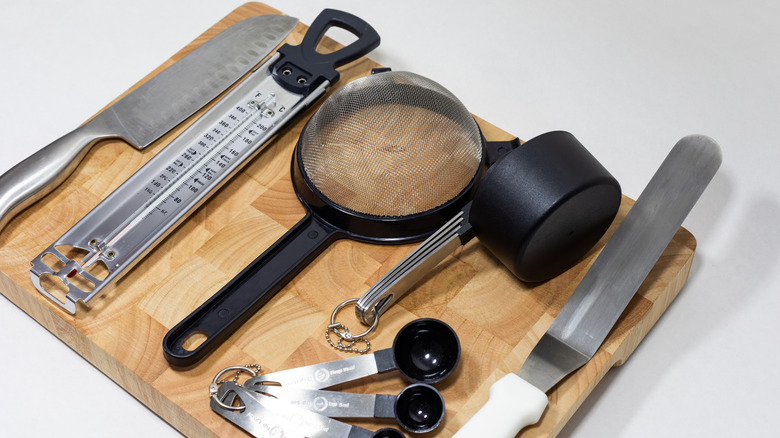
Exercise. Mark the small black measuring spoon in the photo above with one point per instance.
(264, 416)
(418, 408)
(425, 350)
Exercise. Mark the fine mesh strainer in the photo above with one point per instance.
(387, 158)
(377, 146)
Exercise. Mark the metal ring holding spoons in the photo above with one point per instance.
(344, 334)
(214, 387)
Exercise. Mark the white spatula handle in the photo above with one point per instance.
(513, 404)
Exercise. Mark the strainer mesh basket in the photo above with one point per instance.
(391, 144)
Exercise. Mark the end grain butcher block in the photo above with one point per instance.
(498, 318)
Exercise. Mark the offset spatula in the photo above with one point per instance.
(149, 111)
(518, 400)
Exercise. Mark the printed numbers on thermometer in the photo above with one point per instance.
(200, 163)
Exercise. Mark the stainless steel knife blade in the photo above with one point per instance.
(517, 400)
(151, 110)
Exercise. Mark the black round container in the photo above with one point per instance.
(543, 206)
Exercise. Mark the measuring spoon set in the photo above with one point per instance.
(425, 351)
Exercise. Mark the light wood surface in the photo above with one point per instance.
(497, 318)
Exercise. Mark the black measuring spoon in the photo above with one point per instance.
(418, 408)
(425, 350)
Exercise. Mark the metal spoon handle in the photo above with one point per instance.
(266, 417)
(324, 375)
(335, 403)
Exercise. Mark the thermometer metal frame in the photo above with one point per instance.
(142, 211)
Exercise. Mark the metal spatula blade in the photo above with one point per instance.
(598, 301)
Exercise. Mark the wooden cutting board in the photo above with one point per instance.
(498, 318)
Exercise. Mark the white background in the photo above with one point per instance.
(628, 78)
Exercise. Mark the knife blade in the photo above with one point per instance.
(151, 110)
(518, 400)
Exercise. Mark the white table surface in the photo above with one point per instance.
(628, 78)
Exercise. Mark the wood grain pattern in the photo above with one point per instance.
(498, 318)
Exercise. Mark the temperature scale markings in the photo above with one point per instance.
(185, 176)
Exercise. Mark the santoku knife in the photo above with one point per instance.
(150, 111)
(518, 400)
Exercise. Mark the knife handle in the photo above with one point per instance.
(513, 404)
(43, 171)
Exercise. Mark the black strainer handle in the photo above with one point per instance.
(222, 314)
(302, 68)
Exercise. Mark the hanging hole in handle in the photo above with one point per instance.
(195, 339)
(55, 287)
(337, 38)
